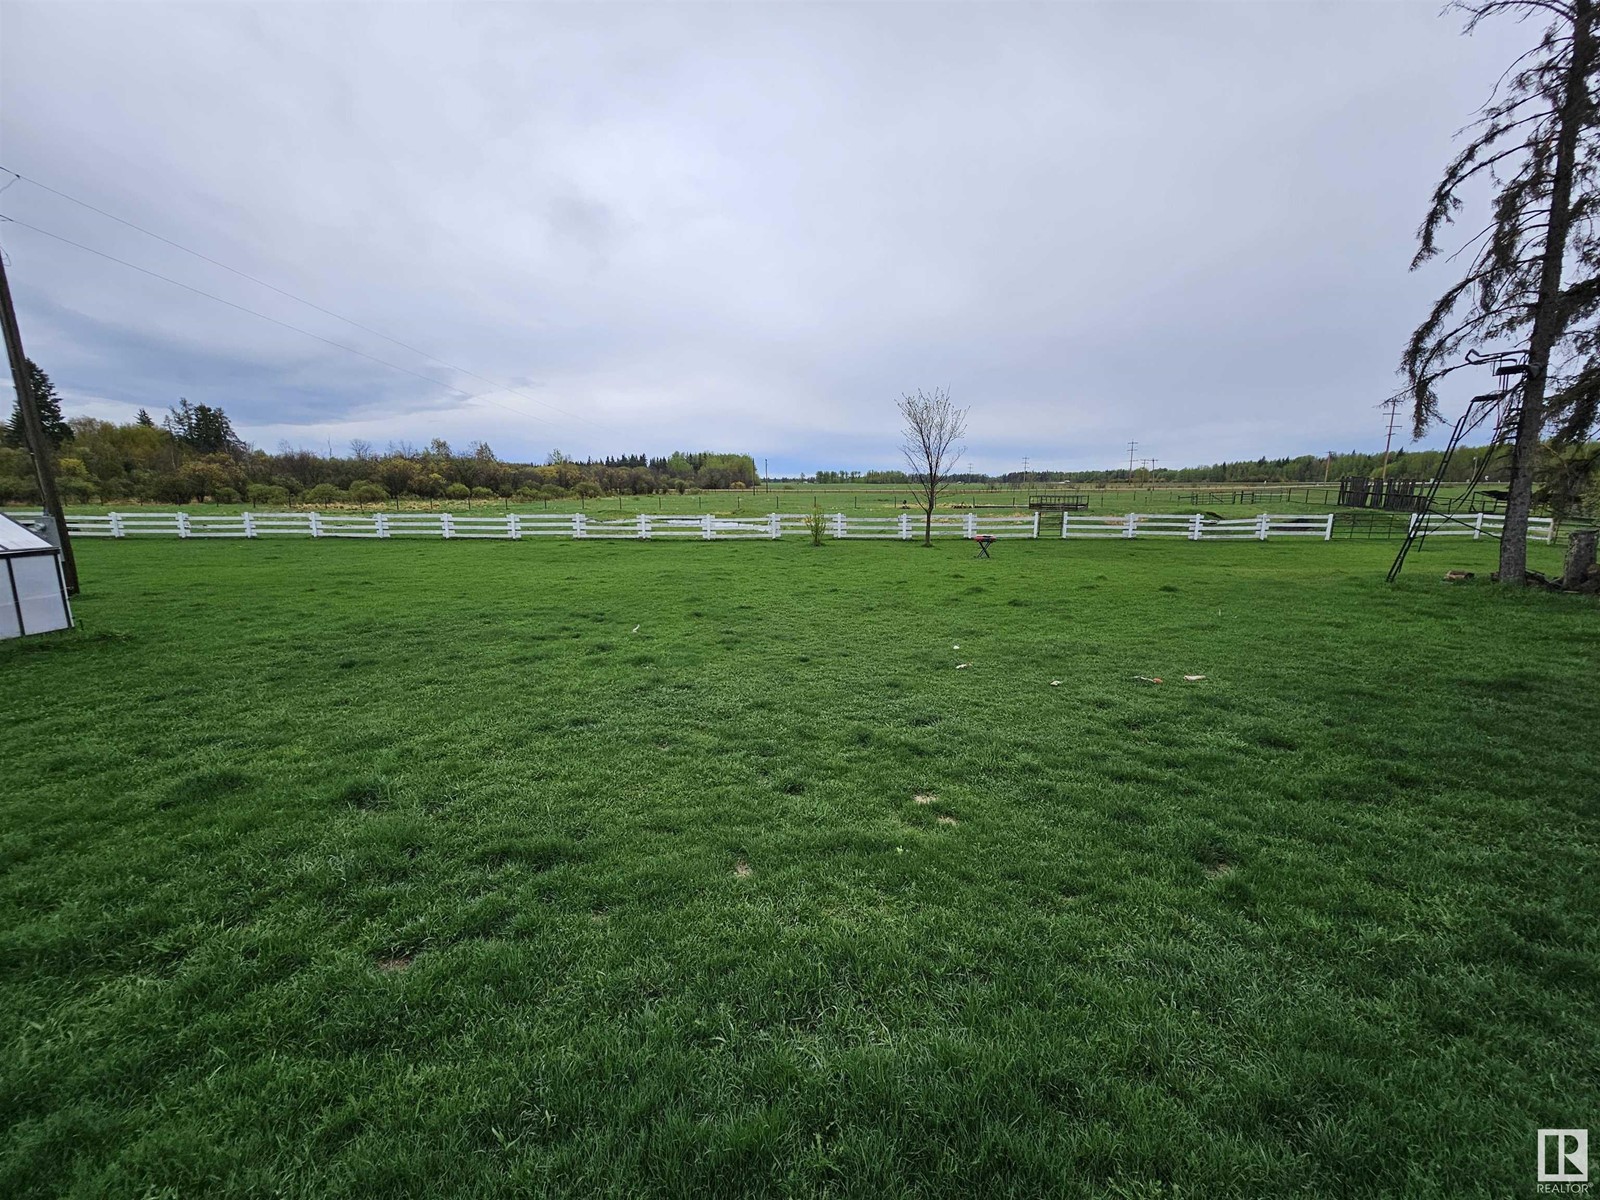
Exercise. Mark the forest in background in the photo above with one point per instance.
(193, 454)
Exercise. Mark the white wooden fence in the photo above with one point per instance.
(646, 526)
(1477, 525)
(1196, 527)
(514, 526)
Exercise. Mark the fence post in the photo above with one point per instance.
(249, 525)
(706, 530)
(1194, 527)
(446, 525)
(838, 525)
(775, 526)
(182, 523)
(1065, 516)
(580, 525)
(315, 524)
(380, 521)
(1131, 526)
(1263, 526)
(970, 525)
(1477, 527)
(1035, 522)
(644, 528)
(1327, 531)
(116, 525)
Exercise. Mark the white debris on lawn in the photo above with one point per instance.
(962, 666)
(1194, 678)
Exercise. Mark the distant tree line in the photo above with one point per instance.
(194, 454)
(1303, 469)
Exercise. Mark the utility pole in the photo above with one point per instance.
(1132, 446)
(1394, 423)
(33, 432)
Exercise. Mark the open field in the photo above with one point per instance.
(571, 868)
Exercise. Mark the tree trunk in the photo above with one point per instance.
(927, 525)
(1580, 557)
(1550, 319)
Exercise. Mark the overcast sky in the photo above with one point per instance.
(741, 227)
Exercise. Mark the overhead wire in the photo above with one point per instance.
(263, 316)
(18, 176)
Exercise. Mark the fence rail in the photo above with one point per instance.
(647, 527)
(514, 526)
(1477, 525)
(1196, 527)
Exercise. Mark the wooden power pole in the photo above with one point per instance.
(44, 466)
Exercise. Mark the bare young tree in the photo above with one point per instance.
(932, 446)
(1534, 155)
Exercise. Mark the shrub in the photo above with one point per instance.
(363, 492)
(458, 491)
(483, 493)
(323, 493)
(588, 489)
(816, 525)
(266, 494)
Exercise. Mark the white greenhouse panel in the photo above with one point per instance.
(39, 597)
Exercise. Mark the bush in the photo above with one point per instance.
(323, 493)
(225, 495)
(483, 493)
(588, 489)
(458, 491)
(816, 525)
(266, 494)
(363, 492)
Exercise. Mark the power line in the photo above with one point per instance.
(262, 316)
(289, 295)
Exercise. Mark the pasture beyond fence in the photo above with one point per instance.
(646, 526)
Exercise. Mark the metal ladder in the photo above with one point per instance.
(1505, 405)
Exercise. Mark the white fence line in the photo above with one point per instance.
(514, 526)
(1197, 527)
(707, 527)
(1477, 525)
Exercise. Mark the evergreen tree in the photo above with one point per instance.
(1535, 280)
(56, 429)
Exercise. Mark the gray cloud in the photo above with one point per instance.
(745, 227)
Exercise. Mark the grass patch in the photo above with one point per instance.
(442, 879)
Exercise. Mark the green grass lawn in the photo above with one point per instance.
(438, 868)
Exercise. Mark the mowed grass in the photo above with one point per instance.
(554, 868)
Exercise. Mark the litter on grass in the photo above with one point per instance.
(1148, 678)
(962, 666)
(1055, 683)
(1194, 678)
(636, 629)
